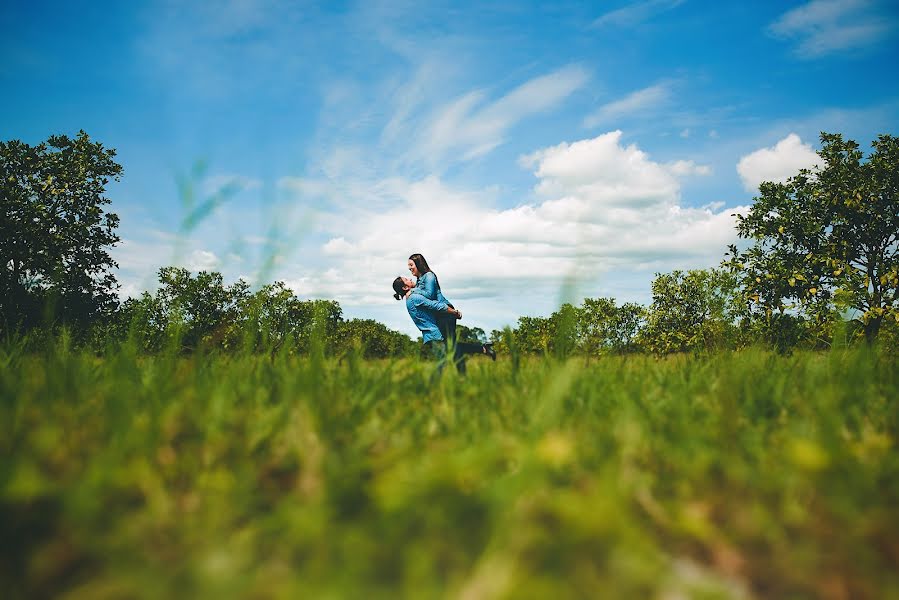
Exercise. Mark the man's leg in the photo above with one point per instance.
(435, 350)
(447, 326)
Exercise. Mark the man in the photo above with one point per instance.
(436, 320)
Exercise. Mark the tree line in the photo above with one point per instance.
(819, 265)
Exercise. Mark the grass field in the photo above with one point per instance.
(734, 476)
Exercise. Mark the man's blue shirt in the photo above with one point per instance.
(424, 314)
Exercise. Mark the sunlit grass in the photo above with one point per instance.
(738, 475)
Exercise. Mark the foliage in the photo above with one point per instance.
(194, 310)
(54, 233)
(690, 312)
(198, 311)
(472, 335)
(827, 239)
(729, 476)
(596, 327)
(605, 327)
(373, 340)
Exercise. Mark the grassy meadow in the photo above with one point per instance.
(740, 475)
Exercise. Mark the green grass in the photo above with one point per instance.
(738, 475)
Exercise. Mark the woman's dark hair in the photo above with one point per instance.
(399, 287)
(422, 265)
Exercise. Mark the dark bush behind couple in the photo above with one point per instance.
(435, 316)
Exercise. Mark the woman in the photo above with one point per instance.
(428, 287)
(426, 280)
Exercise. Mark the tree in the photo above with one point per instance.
(826, 239)
(556, 334)
(690, 311)
(534, 335)
(373, 339)
(200, 309)
(54, 233)
(605, 327)
(470, 335)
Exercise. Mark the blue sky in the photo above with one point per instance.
(517, 145)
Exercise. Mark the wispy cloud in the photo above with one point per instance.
(472, 126)
(636, 13)
(641, 100)
(823, 27)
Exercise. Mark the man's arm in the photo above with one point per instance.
(435, 305)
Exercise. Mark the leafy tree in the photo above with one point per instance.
(596, 327)
(564, 327)
(197, 309)
(200, 310)
(146, 320)
(604, 327)
(534, 335)
(373, 339)
(473, 335)
(54, 233)
(690, 311)
(274, 318)
(826, 239)
(318, 326)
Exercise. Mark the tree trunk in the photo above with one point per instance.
(872, 328)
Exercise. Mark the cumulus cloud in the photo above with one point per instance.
(823, 27)
(683, 168)
(201, 260)
(777, 163)
(599, 205)
(139, 259)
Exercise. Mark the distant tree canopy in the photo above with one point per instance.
(690, 311)
(599, 326)
(199, 311)
(826, 240)
(54, 233)
(823, 246)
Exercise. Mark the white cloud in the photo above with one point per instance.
(636, 13)
(201, 260)
(140, 259)
(777, 163)
(639, 101)
(600, 206)
(823, 27)
(682, 168)
(471, 128)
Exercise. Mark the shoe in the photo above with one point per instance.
(489, 351)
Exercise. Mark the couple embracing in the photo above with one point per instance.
(434, 315)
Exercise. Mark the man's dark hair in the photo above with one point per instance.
(399, 287)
